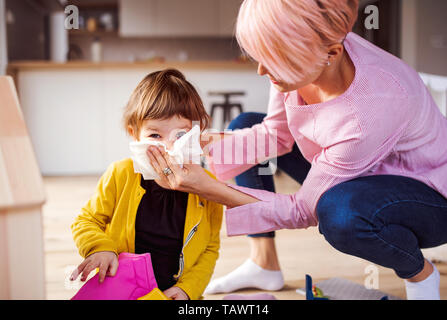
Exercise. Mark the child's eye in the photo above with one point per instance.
(179, 134)
(154, 136)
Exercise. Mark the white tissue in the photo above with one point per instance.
(185, 150)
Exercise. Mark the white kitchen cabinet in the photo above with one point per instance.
(187, 18)
(178, 18)
(137, 18)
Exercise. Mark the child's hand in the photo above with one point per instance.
(106, 261)
(175, 293)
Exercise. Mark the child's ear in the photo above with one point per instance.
(132, 133)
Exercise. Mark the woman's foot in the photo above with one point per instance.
(425, 285)
(263, 253)
(260, 271)
(247, 275)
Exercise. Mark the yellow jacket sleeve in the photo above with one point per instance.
(89, 227)
(197, 278)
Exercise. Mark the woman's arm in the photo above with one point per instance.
(220, 192)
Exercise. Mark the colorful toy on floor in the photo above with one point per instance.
(312, 292)
(134, 279)
(341, 289)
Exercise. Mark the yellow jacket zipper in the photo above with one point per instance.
(182, 259)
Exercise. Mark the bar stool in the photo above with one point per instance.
(227, 106)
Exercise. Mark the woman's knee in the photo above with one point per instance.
(339, 218)
(352, 204)
(246, 120)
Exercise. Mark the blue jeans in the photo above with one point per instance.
(385, 219)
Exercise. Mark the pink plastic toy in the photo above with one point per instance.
(133, 279)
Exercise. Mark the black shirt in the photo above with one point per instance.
(159, 229)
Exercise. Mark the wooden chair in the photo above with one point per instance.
(22, 274)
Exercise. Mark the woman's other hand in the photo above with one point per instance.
(106, 261)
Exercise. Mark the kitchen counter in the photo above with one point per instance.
(15, 66)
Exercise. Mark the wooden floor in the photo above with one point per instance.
(300, 251)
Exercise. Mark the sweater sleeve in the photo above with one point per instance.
(247, 147)
(348, 159)
(89, 226)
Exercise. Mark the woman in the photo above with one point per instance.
(363, 119)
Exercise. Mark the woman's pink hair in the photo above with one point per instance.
(290, 37)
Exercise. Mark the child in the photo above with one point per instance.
(130, 214)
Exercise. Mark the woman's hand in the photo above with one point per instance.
(191, 178)
(106, 261)
(175, 293)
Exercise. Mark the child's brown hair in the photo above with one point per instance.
(162, 95)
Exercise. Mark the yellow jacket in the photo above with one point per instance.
(107, 223)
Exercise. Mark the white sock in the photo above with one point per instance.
(427, 289)
(247, 275)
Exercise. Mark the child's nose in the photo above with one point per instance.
(169, 144)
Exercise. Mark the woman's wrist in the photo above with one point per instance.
(221, 193)
(207, 189)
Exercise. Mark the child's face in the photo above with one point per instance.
(166, 131)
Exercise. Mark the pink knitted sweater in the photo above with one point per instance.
(385, 123)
